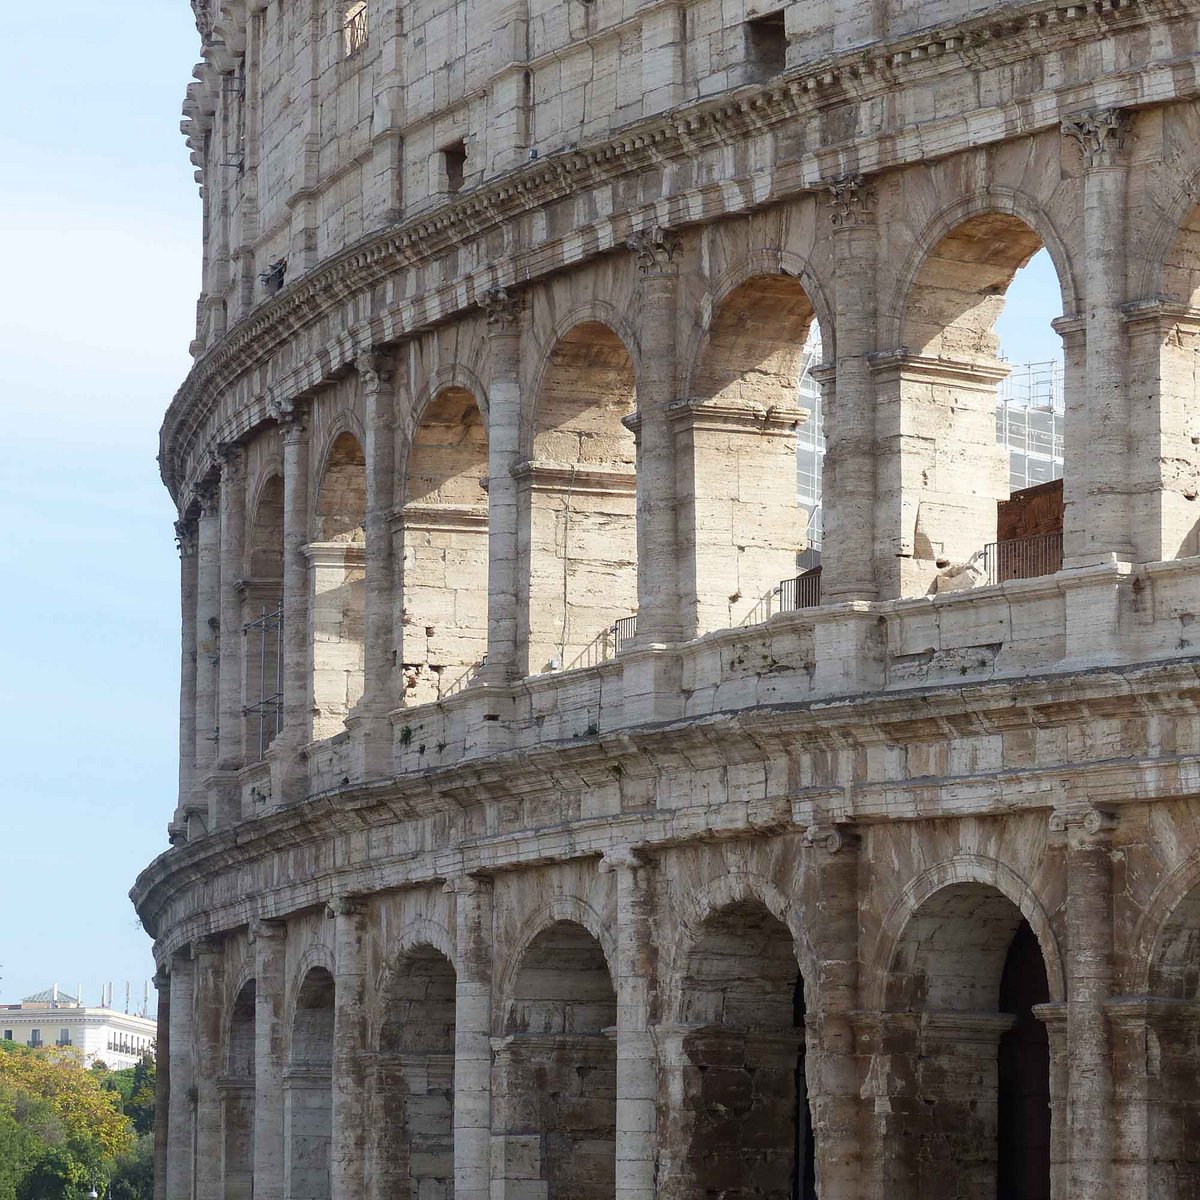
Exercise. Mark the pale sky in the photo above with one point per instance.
(99, 259)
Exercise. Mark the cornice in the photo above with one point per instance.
(863, 74)
(737, 738)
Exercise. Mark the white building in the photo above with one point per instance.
(102, 1034)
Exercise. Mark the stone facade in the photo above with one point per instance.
(477, 887)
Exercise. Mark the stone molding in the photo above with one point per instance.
(1100, 135)
(851, 201)
(655, 249)
(544, 476)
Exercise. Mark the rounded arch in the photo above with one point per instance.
(960, 870)
(718, 895)
(311, 1041)
(317, 956)
(1153, 278)
(424, 932)
(446, 453)
(240, 1036)
(264, 543)
(419, 995)
(1166, 934)
(450, 375)
(561, 909)
(340, 500)
(997, 202)
(759, 263)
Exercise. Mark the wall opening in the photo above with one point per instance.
(766, 46)
(556, 1068)
(579, 500)
(308, 1091)
(237, 1099)
(412, 1093)
(745, 535)
(454, 166)
(966, 1063)
(958, 407)
(337, 573)
(445, 530)
(745, 1083)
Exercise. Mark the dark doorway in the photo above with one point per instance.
(804, 1170)
(1023, 1112)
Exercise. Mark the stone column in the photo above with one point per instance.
(288, 775)
(348, 1144)
(376, 370)
(504, 326)
(658, 251)
(1098, 454)
(210, 994)
(186, 537)
(162, 1083)
(181, 1068)
(230, 749)
(849, 545)
(472, 1037)
(208, 640)
(831, 1067)
(1089, 919)
(637, 1090)
(270, 1057)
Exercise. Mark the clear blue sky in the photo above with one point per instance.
(99, 246)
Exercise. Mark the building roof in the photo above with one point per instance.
(50, 995)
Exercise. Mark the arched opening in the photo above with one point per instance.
(237, 1099)
(308, 1083)
(1157, 1054)
(445, 548)
(579, 500)
(966, 1062)
(1163, 348)
(955, 411)
(262, 621)
(413, 1084)
(337, 573)
(745, 530)
(744, 1086)
(557, 1066)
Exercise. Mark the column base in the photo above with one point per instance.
(371, 740)
(224, 791)
(651, 678)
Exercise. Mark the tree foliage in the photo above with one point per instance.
(62, 1131)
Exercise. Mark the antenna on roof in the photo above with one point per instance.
(128, 986)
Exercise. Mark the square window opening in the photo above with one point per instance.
(454, 164)
(766, 45)
(354, 27)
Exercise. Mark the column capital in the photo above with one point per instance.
(344, 906)
(467, 885)
(1100, 135)
(264, 929)
(655, 249)
(161, 980)
(207, 494)
(851, 201)
(288, 414)
(231, 458)
(830, 836)
(208, 946)
(502, 309)
(376, 367)
(1084, 821)
(185, 536)
(623, 858)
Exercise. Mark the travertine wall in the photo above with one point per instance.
(892, 896)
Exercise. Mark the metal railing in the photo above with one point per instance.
(624, 630)
(1024, 558)
(802, 592)
(267, 710)
(355, 27)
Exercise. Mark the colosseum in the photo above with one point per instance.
(550, 825)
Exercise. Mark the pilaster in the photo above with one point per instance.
(208, 644)
(270, 1056)
(181, 1068)
(472, 1037)
(186, 536)
(347, 1152)
(658, 252)
(1100, 531)
(852, 523)
(369, 722)
(162, 1083)
(210, 991)
(637, 1090)
(1087, 830)
(289, 775)
(505, 316)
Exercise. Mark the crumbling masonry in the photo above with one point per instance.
(540, 833)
